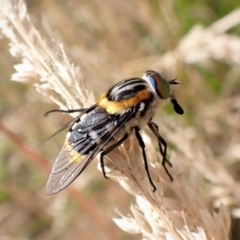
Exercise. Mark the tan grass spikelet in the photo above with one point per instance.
(178, 209)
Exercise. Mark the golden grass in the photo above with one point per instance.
(109, 47)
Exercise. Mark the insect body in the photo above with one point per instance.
(123, 109)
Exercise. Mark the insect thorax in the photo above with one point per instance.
(98, 127)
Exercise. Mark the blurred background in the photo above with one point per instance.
(110, 41)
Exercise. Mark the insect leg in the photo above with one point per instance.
(108, 150)
(64, 111)
(154, 128)
(142, 145)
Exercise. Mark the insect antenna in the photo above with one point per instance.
(177, 108)
(174, 81)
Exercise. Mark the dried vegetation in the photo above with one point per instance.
(110, 42)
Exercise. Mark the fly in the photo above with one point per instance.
(124, 109)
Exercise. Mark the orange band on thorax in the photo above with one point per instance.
(113, 107)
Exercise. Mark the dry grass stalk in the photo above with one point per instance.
(177, 210)
(199, 46)
(43, 64)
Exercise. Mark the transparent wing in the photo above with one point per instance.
(69, 163)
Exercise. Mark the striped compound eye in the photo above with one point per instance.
(158, 83)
